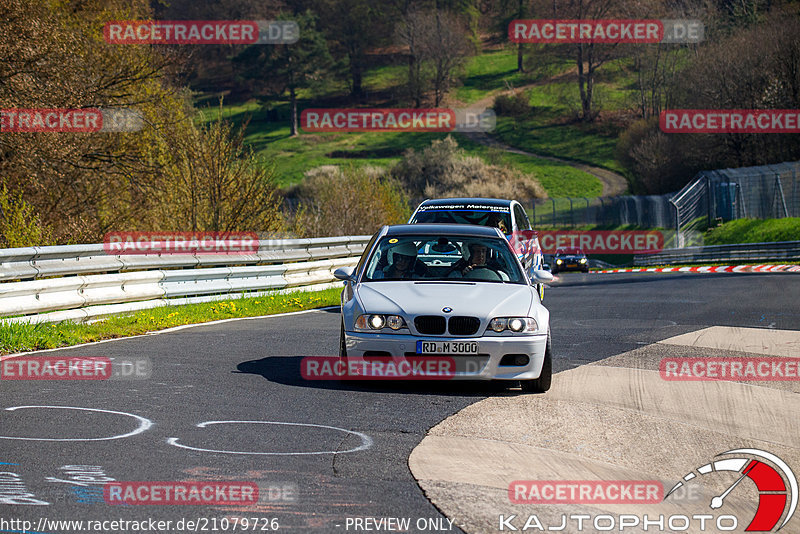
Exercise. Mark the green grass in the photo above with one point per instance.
(558, 179)
(496, 70)
(585, 143)
(754, 231)
(553, 130)
(546, 132)
(385, 77)
(296, 155)
(25, 337)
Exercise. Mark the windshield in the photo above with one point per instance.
(443, 258)
(569, 252)
(498, 217)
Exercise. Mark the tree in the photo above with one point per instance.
(209, 181)
(409, 34)
(446, 47)
(510, 10)
(354, 27)
(588, 57)
(288, 67)
(52, 56)
(437, 48)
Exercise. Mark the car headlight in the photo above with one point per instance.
(376, 321)
(498, 324)
(583, 260)
(395, 322)
(559, 262)
(514, 324)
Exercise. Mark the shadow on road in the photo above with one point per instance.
(286, 370)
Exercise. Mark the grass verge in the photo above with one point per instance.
(25, 337)
(754, 231)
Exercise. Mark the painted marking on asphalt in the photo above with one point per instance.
(13, 491)
(144, 423)
(366, 441)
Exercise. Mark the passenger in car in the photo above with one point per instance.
(403, 263)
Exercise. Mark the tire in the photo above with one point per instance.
(343, 357)
(542, 384)
(342, 344)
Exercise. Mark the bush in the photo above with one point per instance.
(515, 105)
(347, 201)
(19, 224)
(442, 170)
(655, 159)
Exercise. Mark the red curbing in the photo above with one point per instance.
(710, 269)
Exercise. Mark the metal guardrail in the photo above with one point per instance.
(785, 250)
(81, 282)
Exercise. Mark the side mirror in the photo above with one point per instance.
(344, 273)
(542, 277)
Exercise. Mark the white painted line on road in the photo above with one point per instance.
(144, 424)
(366, 441)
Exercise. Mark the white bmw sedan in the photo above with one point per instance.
(448, 290)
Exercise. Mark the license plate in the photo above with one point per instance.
(572, 265)
(447, 347)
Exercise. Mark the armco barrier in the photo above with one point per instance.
(35, 282)
(785, 250)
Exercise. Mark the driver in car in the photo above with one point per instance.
(478, 259)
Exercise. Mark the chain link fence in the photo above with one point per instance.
(650, 211)
(763, 192)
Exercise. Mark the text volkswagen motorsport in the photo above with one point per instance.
(456, 290)
(507, 215)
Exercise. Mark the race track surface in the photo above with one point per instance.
(226, 402)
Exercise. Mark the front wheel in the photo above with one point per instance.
(542, 384)
(342, 344)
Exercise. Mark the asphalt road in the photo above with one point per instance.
(244, 376)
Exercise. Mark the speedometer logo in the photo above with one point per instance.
(775, 481)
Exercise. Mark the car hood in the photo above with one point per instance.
(481, 299)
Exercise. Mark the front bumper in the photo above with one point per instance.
(583, 267)
(483, 366)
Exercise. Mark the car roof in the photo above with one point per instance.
(440, 229)
(494, 202)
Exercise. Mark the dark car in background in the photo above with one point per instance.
(570, 259)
